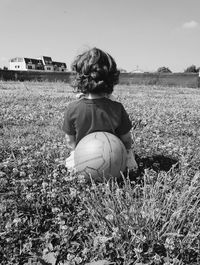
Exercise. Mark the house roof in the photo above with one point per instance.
(43, 60)
(33, 61)
(16, 59)
(47, 60)
(59, 64)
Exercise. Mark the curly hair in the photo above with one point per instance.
(96, 72)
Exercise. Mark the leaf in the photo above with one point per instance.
(50, 258)
(99, 262)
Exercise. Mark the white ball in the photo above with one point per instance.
(100, 155)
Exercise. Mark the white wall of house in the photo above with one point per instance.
(17, 64)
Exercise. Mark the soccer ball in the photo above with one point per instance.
(99, 156)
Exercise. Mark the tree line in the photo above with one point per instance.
(190, 69)
(162, 69)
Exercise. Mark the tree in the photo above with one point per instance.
(191, 69)
(164, 69)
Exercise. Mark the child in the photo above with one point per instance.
(96, 75)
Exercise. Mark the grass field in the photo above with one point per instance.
(46, 213)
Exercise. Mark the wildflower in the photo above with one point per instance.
(138, 250)
(16, 221)
(2, 174)
(22, 174)
(63, 227)
(119, 192)
(15, 171)
(8, 225)
(99, 262)
(53, 193)
(45, 251)
(169, 243)
(73, 192)
(109, 217)
(115, 232)
(63, 171)
(70, 256)
(78, 260)
(29, 196)
(44, 185)
(103, 239)
(176, 261)
(157, 259)
(55, 209)
(81, 179)
(55, 175)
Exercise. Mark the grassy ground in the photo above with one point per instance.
(149, 218)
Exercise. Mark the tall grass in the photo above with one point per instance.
(51, 216)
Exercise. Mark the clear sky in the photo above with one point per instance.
(144, 34)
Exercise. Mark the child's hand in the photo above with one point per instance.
(80, 95)
(131, 163)
(69, 162)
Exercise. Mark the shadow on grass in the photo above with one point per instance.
(157, 163)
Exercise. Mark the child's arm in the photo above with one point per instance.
(69, 163)
(70, 141)
(127, 140)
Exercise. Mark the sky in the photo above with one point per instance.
(138, 34)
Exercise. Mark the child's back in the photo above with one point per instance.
(96, 75)
(85, 116)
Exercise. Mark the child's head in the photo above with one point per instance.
(96, 72)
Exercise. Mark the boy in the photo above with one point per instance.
(96, 75)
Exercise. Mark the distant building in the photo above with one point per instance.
(60, 67)
(47, 62)
(137, 71)
(25, 64)
(44, 63)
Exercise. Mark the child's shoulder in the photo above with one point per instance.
(111, 97)
(74, 103)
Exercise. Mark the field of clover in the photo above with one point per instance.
(51, 216)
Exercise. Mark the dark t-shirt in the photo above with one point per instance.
(85, 116)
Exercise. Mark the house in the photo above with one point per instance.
(60, 67)
(50, 65)
(47, 62)
(17, 64)
(25, 64)
(44, 63)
